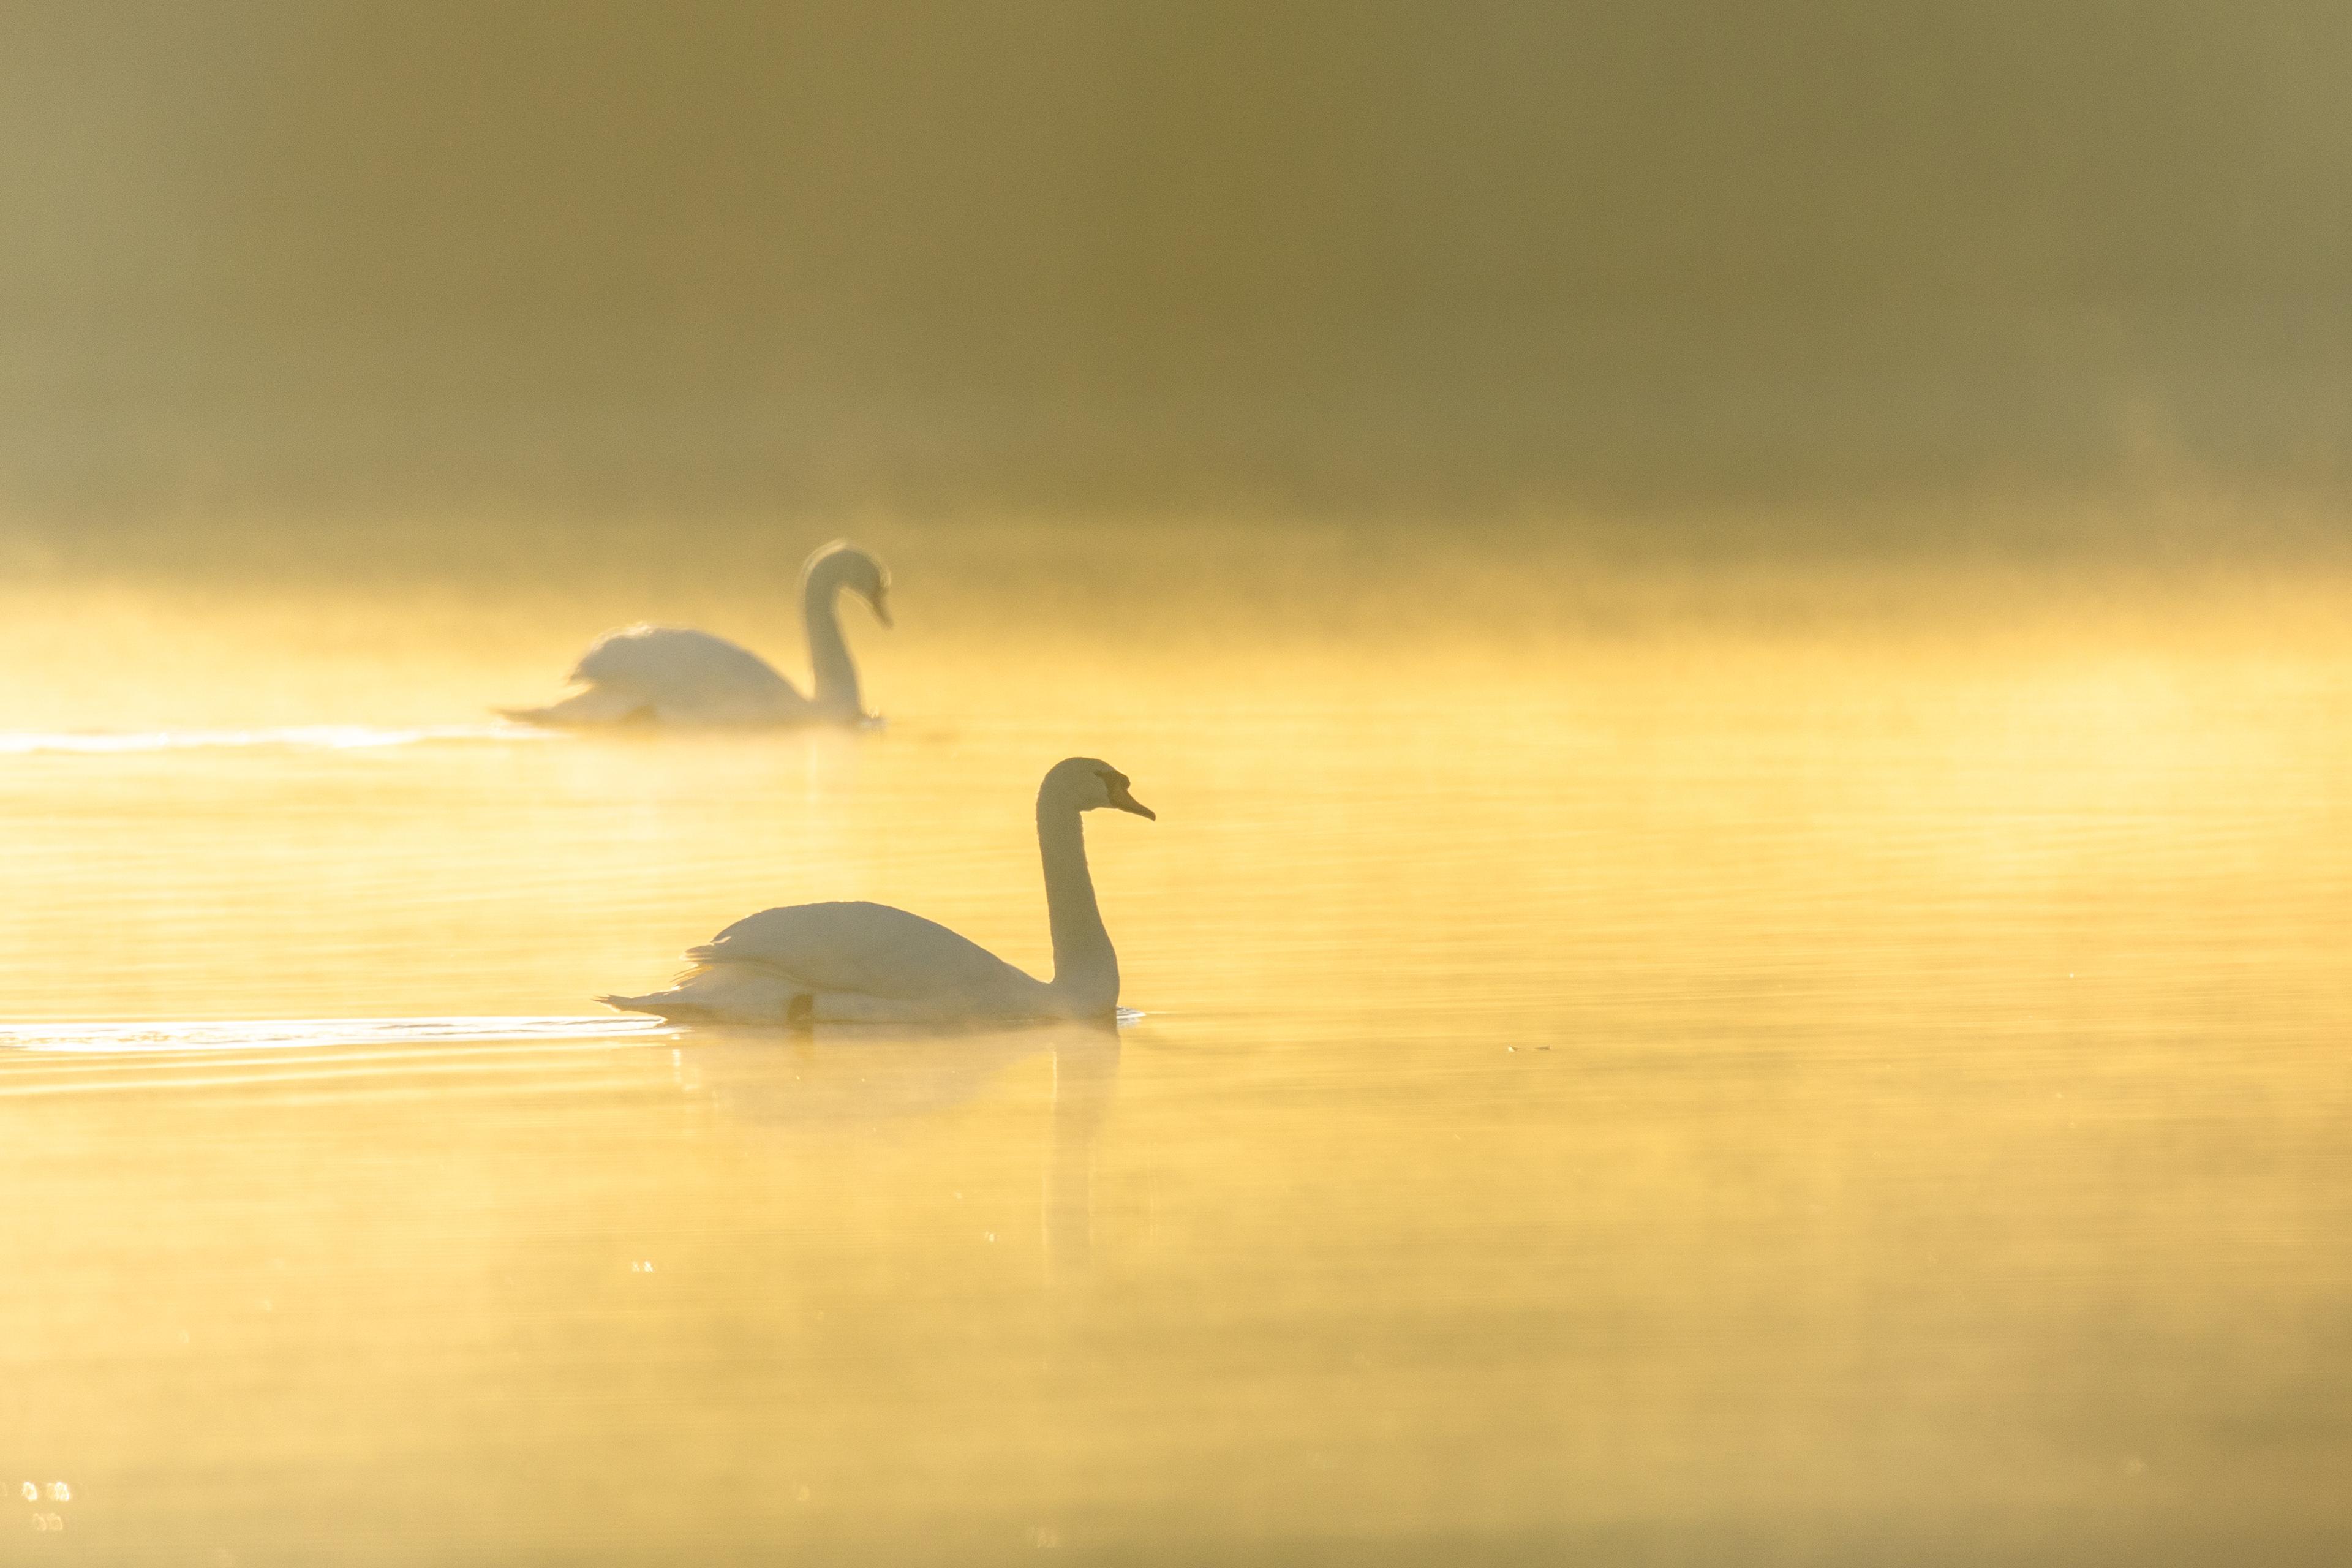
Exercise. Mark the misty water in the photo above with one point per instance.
(1639, 1060)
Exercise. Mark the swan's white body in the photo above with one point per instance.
(859, 963)
(671, 675)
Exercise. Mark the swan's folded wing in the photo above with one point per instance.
(664, 660)
(870, 949)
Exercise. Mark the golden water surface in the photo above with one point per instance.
(1637, 1064)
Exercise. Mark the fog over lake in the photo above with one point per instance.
(1738, 620)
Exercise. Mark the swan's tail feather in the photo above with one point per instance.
(733, 993)
(597, 705)
(661, 1004)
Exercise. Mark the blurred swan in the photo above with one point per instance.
(860, 962)
(674, 676)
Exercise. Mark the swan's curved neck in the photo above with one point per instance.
(836, 677)
(1086, 969)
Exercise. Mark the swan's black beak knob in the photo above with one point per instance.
(1126, 802)
(1116, 791)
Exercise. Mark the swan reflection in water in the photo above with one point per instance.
(848, 1074)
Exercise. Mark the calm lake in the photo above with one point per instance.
(1638, 1064)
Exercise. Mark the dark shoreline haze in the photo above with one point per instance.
(1315, 260)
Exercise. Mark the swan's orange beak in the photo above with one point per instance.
(1126, 802)
(881, 603)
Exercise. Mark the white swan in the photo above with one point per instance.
(674, 676)
(859, 963)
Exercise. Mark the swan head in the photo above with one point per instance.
(1090, 783)
(842, 564)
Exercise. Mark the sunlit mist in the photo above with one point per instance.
(1736, 622)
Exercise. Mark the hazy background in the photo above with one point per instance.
(1738, 616)
(334, 264)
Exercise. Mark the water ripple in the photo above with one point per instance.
(270, 1034)
(308, 737)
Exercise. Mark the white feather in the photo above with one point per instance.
(675, 675)
(861, 963)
